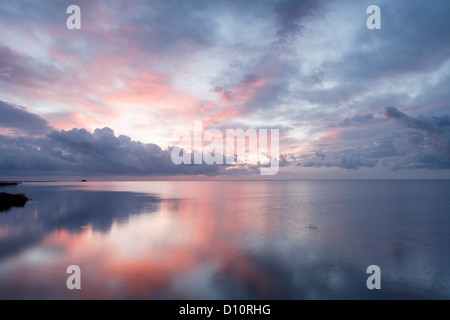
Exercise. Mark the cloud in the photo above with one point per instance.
(20, 71)
(400, 142)
(289, 15)
(17, 117)
(147, 68)
(357, 120)
(430, 125)
(406, 44)
(102, 152)
(427, 142)
(79, 152)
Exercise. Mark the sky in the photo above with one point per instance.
(105, 100)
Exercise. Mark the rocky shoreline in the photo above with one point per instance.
(7, 201)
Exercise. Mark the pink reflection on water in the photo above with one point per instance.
(144, 257)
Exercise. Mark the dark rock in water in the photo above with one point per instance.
(8, 184)
(7, 201)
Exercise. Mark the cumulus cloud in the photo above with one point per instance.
(102, 152)
(79, 152)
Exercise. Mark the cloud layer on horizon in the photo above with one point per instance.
(393, 140)
(145, 69)
(79, 152)
(401, 142)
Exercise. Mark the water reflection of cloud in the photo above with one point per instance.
(228, 244)
(70, 210)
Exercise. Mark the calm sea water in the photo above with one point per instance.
(228, 240)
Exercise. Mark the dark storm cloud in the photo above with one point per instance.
(16, 117)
